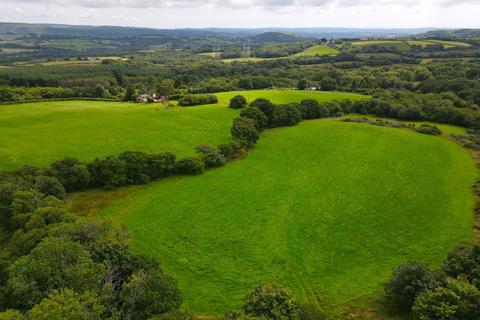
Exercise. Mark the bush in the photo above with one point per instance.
(271, 301)
(230, 150)
(190, 165)
(73, 174)
(464, 260)
(238, 102)
(286, 115)
(311, 109)
(210, 155)
(408, 281)
(108, 173)
(310, 312)
(427, 129)
(197, 99)
(50, 186)
(261, 120)
(244, 130)
(440, 303)
(266, 106)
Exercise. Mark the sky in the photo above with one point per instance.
(247, 13)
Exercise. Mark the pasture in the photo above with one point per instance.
(326, 208)
(396, 44)
(317, 50)
(43, 132)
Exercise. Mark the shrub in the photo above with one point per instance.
(210, 155)
(230, 150)
(108, 173)
(408, 281)
(238, 102)
(267, 107)
(271, 301)
(427, 129)
(197, 99)
(286, 115)
(310, 312)
(190, 165)
(50, 186)
(311, 109)
(440, 303)
(464, 260)
(244, 130)
(302, 84)
(261, 120)
(72, 174)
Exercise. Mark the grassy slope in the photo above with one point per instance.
(326, 208)
(398, 44)
(317, 50)
(40, 133)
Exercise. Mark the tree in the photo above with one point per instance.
(464, 260)
(266, 106)
(150, 293)
(108, 173)
(210, 155)
(50, 186)
(286, 115)
(230, 150)
(271, 301)
(302, 84)
(244, 130)
(130, 94)
(67, 304)
(328, 84)
(408, 281)
(55, 263)
(100, 91)
(238, 102)
(72, 174)
(11, 314)
(311, 109)
(439, 304)
(261, 120)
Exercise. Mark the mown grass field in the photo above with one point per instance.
(326, 208)
(40, 133)
(317, 50)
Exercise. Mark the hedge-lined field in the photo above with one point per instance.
(43, 132)
(318, 50)
(326, 208)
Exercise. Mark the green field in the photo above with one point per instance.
(397, 44)
(326, 208)
(446, 44)
(317, 50)
(40, 133)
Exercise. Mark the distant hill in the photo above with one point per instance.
(281, 34)
(276, 37)
(452, 34)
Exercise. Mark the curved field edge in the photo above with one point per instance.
(326, 208)
(43, 132)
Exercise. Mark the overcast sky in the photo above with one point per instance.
(247, 13)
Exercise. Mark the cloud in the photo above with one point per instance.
(234, 4)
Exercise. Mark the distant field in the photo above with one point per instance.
(286, 96)
(446, 44)
(39, 133)
(326, 208)
(317, 50)
(253, 59)
(397, 44)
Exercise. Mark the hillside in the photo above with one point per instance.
(325, 208)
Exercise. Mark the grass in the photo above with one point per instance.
(446, 44)
(317, 50)
(280, 96)
(397, 44)
(40, 133)
(326, 208)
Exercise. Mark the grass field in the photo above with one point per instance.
(40, 133)
(446, 44)
(397, 44)
(317, 50)
(326, 208)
